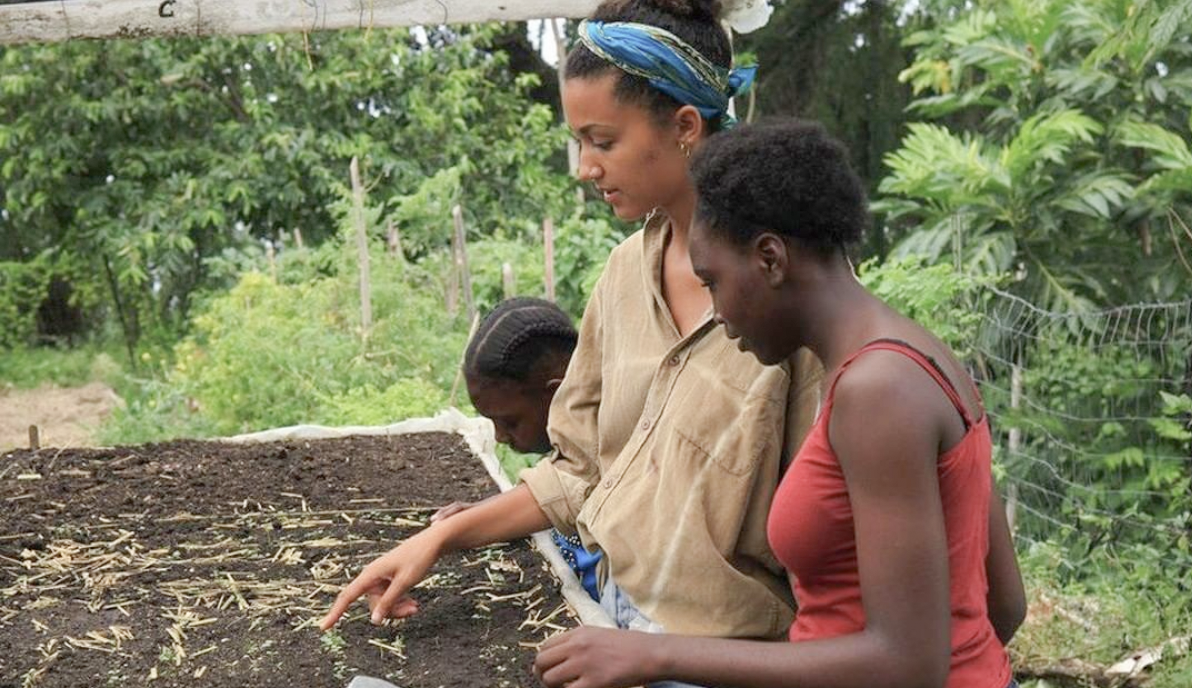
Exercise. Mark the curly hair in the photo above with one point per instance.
(518, 337)
(786, 176)
(694, 21)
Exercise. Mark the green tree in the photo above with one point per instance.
(137, 168)
(1062, 149)
(836, 63)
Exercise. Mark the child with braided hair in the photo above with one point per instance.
(513, 365)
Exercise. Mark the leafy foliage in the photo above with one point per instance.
(1062, 147)
(836, 63)
(936, 296)
(140, 165)
(286, 345)
(268, 355)
(22, 287)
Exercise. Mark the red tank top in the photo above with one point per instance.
(810, 529)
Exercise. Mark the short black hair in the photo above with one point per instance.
(694, 21)
(517, 337)
(785, 176)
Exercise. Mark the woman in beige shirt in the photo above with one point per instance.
(668, 440)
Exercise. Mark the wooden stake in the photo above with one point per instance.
(560, 73)
(34, 438)
(298, 237)
(507, 280)
(452, 295)
(393, 240)
(1014, 440)
(561, 70)
(460, 249)
(548, 250)
(459, 373)
(271, 256)
(361, 249)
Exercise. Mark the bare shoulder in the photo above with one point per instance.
(880, 380)
(885, 407)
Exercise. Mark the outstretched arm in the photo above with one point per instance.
(387, 579)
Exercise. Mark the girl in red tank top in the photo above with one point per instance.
(811, 531)
(887, 519)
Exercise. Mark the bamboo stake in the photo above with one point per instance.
(548, 250)
(461, 260)
(459, 373)
(361, 249)
(452, 291)
(561, 70)
(271, 256)
(508, 283)
(393, 239)
(1015, 440)
(34, 438)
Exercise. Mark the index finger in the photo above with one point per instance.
(351, 592)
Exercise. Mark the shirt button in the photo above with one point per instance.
(646, 424)
(673, 361)
(608, 483)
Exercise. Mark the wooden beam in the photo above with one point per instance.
(60, 20)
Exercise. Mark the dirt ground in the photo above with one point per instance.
(204, 564)
(65, 416)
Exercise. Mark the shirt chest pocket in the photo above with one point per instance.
(730, 411)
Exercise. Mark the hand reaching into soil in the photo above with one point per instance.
(387, 579)
(385, 582)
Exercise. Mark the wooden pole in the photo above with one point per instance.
(1014, 441)
(548, 251)
(361, 248)
(298, 238)
(393, 240)
(459, 372)
(451, 297)
(460, 245)
(59, 21)
(561, 71)
(271, 256)
(508, 282)
(34, 438)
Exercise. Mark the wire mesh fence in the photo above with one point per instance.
(1091, 413)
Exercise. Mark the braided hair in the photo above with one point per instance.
(517, 337)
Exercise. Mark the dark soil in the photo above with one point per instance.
(208, 564)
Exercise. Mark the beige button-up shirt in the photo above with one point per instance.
(668, 452)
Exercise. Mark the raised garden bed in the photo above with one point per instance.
(208, 564)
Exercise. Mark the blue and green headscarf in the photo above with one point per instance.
(669, 64)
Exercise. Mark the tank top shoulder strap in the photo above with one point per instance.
(927, 363)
